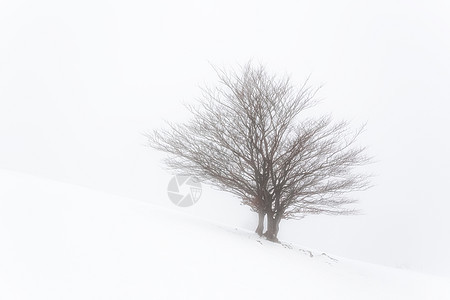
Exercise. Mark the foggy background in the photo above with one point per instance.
(81, 82)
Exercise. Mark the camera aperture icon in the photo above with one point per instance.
(184, 190)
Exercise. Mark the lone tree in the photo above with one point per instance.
(248, 136)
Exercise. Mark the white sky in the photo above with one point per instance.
(80, 82)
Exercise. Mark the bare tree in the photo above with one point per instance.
(248, 137)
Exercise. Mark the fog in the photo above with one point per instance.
(81, 82)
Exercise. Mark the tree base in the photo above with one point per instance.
(271, 237)
(259, 232)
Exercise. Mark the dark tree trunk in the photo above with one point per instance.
(273, 226)
(277, 226)
(259, 230)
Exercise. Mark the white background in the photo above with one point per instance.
(80, 82)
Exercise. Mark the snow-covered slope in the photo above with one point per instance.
(59, 241)
(81, 80)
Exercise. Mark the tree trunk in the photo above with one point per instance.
(273, 226)
(277, 225)
(259, 230)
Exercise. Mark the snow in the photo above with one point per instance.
(81, 80)
(61, 241)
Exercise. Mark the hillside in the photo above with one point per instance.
(59, 241)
